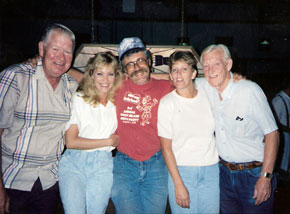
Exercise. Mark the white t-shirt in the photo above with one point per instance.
(189, 123)
(93, 123)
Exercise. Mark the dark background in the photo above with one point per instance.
(256, 31)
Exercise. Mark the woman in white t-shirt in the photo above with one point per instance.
(186, 130)
(85, 169)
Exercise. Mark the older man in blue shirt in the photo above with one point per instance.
(246, 136)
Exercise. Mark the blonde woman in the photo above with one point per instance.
(85, 169)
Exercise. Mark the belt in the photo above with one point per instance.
(240, 166)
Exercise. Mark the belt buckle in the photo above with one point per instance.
(240, 167)
(231, 166)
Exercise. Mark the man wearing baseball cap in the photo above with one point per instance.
(140, 173)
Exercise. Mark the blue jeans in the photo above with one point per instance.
(85, 181)
(237, 190)
(140, 187)
(202, 183)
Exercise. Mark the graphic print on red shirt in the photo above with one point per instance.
(137, 107)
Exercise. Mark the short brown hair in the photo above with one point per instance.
(185, 56)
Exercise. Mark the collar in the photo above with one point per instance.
(39, 73)
(226, 94)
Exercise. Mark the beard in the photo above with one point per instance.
(141, 70)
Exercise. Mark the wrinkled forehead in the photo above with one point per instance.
(212, 56)
(133, 57)
(56, 37)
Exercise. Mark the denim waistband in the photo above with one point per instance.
(155, 156)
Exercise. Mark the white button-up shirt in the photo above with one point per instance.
(243, 117)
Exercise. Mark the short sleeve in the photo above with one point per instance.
(9, 94)
(261, 111)
(164, 122)
(77, 102)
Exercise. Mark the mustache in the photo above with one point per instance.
(142, 70)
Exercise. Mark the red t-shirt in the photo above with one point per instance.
(137, 108)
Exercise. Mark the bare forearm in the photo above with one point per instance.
(181, 192)
(76, 74)
(73, 141)
(262, 190)
(170, 161)
(85, 143)
(270, 152)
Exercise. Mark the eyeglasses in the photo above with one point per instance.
(139, 62)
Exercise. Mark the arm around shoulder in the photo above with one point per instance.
(76, 74)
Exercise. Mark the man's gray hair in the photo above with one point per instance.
(226, 52)
(57, 28)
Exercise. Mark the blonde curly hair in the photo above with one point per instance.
(87, 87)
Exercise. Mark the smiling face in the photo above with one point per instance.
(139, 73)
(104, 78)
(56, 55)
(217, 69)
(182, 75)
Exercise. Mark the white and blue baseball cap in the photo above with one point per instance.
(128, 44)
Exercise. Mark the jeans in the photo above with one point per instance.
(85, 181)
(140, 187)
(202, 183)
(237, 190)
(36, 201)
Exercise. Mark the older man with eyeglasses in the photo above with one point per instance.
(140, 174)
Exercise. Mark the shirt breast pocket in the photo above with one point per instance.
(235, 124)
(239, 126)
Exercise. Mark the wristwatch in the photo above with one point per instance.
(267, 174)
